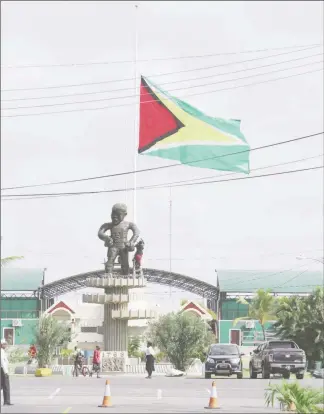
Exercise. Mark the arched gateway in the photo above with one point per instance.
(161, 277)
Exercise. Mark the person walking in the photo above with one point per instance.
(149, 354)
(5, 384)
(77, 354)
(96, 361)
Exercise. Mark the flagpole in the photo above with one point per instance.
(136, 120)
(170, 235)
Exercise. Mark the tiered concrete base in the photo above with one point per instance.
(116, 316)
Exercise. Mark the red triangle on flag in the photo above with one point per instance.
(156, 120)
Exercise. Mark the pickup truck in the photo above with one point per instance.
(278, 357)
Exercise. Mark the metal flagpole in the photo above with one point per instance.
(170, 234)
(136, 121)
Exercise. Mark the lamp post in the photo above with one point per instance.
(315, 259)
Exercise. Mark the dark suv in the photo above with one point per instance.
(278, 357)
(224, 359)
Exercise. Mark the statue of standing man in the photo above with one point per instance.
(117, 242)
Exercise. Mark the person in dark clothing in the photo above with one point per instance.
(149, 353)
(5, 384)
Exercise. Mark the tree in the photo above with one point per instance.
(134, 345)
(301, 319)
(6, 260)
(50, 333)
(181, 336)
(261, 308)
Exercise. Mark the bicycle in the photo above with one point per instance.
(94, 370)
(80, 368)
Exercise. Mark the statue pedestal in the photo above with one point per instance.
(116, 316)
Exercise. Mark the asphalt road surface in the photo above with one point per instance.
(135, 394)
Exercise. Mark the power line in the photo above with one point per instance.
(135, 103)
(155, 75)
(164, 166)
(179, 185)
(170, 90)
(163, 83)
(113, 62)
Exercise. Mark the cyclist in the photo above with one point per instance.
(78, 357)
(32, 352)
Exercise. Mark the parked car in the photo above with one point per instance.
(225, 360)
(278, 357)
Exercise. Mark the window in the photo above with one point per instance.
(224, 350)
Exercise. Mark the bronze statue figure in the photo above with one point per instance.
(117, 242)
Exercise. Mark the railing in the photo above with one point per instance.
(19, 314)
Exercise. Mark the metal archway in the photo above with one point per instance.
(161, 277)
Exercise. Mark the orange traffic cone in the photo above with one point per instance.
(107, 397)
(213, 400)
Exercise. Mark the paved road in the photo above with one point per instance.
(134, 394)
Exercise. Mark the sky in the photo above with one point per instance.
(257, 224)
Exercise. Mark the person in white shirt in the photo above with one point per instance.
(149, 353)
(5, 384)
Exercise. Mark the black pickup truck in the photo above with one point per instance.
(278, 357)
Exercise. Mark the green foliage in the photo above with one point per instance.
(134, 344)
(301, 319)
(16, 355)
(294, 396)
(261, 308)
(66, 352)
(50, 333)
(159, 357)
(183, 302)
(181, 336)
(6, 260)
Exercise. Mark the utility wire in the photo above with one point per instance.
(154, 75)
(179, 185)
(164, 166)
(135, 103)
(163, 83)
(113, 62)
(172, 184)
(113, 98)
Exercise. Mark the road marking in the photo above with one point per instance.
(54, 393)
(67, 410)
(159, 394)
(208, 390)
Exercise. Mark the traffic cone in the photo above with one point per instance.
(106, 402)
(213, 400)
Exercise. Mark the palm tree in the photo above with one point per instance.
(261, 308)
(6, 260)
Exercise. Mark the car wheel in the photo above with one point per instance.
(286, 375)
(253, 374)
(207, 375)
(240, 375)
(265, 372)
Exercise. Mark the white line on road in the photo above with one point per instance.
(54, 393)
(159, 394)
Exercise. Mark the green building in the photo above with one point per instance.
(20, 306)
(234, 284)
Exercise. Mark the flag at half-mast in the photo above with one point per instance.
(174, 130)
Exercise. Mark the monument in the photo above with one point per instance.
(116, 282)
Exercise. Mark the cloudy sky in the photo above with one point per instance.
(257, 224)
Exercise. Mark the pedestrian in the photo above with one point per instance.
(149, 353)
(96, 361)
(5, 384)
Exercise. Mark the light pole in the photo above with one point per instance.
(315, 259)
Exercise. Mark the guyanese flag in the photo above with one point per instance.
(173, 129)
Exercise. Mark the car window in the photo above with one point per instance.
(220, 349)
(281, 345)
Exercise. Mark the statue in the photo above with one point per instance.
(117, 242)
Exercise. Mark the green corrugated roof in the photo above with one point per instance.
(14, 279)
(248, 281)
